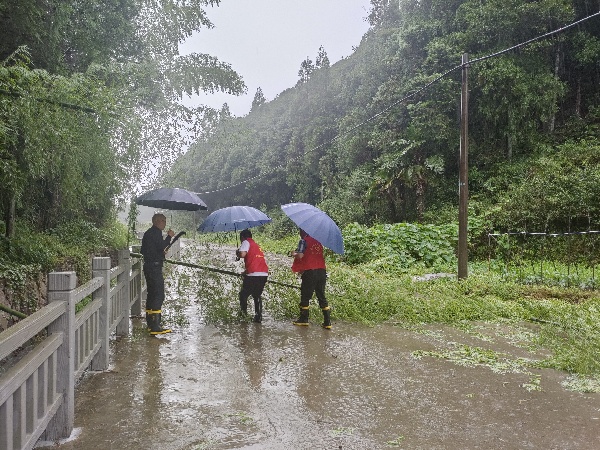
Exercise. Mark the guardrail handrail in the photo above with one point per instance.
(37, 392)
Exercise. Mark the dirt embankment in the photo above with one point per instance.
(26, 297)
(24, 288)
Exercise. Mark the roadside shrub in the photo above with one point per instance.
(87, 237)
(280, 227)
(67, 247)
(400, 246)
(31, 248)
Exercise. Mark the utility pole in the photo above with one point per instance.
(463, 182)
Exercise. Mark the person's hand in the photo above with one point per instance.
(171, 233)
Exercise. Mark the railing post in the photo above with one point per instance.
(60, 288)
(101, 268)
(124, 277)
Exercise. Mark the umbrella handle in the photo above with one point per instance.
(177, 236)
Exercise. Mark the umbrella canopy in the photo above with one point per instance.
(233, 218)
(317, 224)
(171, 198)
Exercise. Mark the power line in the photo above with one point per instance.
(402, 100)
(543, 36)
(528, 233)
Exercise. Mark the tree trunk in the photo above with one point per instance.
(578, 98)
(420, 194)
(509, 136)
(392, 198)
(552, 123)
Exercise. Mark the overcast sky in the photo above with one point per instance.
(266, 40)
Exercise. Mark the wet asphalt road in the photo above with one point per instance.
(276, 386)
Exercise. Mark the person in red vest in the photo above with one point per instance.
(310, 264)
(255, 274)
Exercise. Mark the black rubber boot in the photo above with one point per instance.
(257, 310)
(303, 319)
(155, 326)
(148, 313)
(243, 307)
(159, 317)
(326, 318)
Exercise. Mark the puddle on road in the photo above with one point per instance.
(277, 386)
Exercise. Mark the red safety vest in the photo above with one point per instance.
(313, 257)
(255, 259)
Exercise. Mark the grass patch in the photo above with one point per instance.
(583, 384)
(468, 356)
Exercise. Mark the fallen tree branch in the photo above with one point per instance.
(214, 269)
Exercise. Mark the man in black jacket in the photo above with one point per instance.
(153, 250)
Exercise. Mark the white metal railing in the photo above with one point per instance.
(37, 393)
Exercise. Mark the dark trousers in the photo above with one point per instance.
(313, 282)
(155, 283)
(251, 286)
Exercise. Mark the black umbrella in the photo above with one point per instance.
(171, 198)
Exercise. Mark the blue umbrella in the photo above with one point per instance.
(233, 218)
(317, 224)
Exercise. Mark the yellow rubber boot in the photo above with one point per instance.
(303, 319)
(326, 318)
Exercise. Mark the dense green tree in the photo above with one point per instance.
(56, 146)
(306, 69)
(259, 99)
(68, 36)
(91, 91)
(557, 190)
(322, 61)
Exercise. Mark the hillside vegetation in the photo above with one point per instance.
(374, 138)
